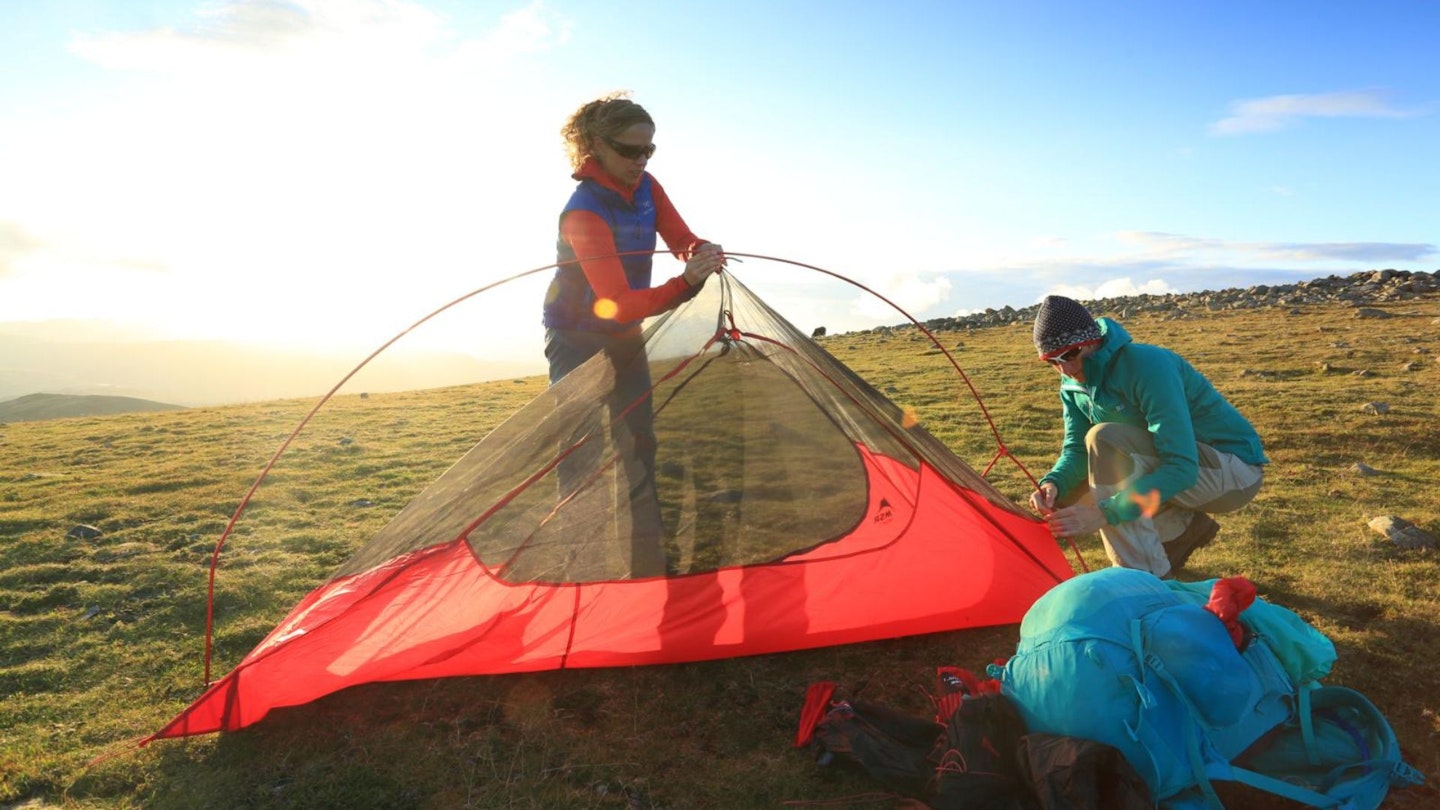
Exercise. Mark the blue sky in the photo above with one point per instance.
(328, 171)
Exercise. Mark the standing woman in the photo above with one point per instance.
(602, 288)
(618, 208)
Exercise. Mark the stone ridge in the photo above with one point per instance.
(1356, 289)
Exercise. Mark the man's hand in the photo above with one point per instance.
(1075, 521)
(1042, 500)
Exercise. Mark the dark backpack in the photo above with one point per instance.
(898, 749)
(978, 768)
(965, 758)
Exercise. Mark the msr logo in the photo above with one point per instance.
(883, 514)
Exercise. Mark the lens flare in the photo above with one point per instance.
(911, 417)
(606, 309)
(1149, 502)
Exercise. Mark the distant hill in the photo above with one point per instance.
(39, 407)
(199, 373)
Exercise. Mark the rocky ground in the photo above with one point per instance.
(1356, 289)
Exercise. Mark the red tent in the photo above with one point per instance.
(782, 504)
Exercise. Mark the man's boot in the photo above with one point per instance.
(1200, 532)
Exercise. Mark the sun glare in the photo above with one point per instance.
(213, 198)
(606, 309)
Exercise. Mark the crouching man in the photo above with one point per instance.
(1151, 449)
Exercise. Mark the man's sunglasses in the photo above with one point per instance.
(1064, 358)
(630, 151)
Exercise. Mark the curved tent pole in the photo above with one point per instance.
(284, 445)
(1001, 449)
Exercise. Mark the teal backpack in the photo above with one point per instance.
(1124, 658)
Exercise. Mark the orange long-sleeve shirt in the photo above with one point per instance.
(590, 238)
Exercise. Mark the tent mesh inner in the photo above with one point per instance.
(756, 456)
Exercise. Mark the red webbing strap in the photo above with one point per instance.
(817, 702)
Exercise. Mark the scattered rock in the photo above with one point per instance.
(1361, 468)
(1410, 366)
(346, 440)
(81, 531)
(1376, 408)
(364, 394)
(1402, 532)
(1363, 372)
(362, 502)
(1356, 289)
(819, 332)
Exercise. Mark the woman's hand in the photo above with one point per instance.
(707, 260)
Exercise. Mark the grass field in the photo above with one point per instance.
(101, 639)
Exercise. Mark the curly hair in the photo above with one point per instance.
(607, 115)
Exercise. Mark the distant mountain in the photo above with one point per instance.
(195, 373)
(39, 407)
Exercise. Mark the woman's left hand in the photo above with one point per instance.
(707, 260)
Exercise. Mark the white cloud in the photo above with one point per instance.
(1278, 112)
(328, 166)
(1157, 243)
(533, 29)
(911, 292)
(1343, 251)
(1112, 288)
(1157, 263)
(251, 35)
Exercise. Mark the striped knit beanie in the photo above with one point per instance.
(1061, 324)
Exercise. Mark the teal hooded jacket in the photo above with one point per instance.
(1157, 389)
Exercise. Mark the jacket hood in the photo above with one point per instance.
(1114, 338)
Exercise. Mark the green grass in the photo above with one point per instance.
(101, 640)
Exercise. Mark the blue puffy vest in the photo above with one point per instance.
(570, 302)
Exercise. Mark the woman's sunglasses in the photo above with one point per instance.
(1064, 358)
(630, 151)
